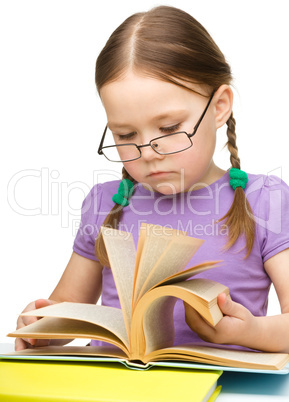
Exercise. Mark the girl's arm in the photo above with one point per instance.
(81, 282)
(240, 327)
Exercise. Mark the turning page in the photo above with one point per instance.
(121, 252)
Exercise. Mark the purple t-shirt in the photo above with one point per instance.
(197, 212)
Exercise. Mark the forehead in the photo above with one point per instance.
(135, 95)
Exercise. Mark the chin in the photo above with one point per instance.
(167, 189)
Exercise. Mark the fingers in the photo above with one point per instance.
(198, 324)
(231, 329)
(23, 321)
(43, 303)
(24, 343)
(230, 308)
(20, 344)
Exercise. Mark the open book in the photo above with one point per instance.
(149, 280)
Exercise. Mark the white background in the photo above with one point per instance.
(51, 120)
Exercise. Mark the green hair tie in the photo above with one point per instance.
(239, 178)
(125, 190)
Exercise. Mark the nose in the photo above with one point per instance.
(148, 154)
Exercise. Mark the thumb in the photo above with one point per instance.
(228, 307)
(43, 303)
(39, 304)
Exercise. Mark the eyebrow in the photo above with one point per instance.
(174, 113)
(112, 125)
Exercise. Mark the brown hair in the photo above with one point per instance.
(168, 44)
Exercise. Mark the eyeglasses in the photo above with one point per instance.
(165, 145)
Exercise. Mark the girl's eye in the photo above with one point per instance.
(171, 129)
(125, 137)
(132, 135)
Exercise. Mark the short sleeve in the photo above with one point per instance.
(89, 226)
(272, 222)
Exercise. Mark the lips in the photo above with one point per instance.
(158, 174)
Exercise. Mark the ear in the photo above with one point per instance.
(223, 105)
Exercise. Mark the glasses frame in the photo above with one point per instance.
(101, 147)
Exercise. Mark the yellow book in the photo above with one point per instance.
(39, 381)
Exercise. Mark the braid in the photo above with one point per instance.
(231, 143)
(112, 221)
(239, 218)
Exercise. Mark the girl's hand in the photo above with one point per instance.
(23, 321)
(237, 327)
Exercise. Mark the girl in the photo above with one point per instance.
(165, 87)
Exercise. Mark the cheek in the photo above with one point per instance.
(133, 169)
(199, 155)
(204, 145)
(196, 160)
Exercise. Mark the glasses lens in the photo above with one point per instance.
(171, 143)
(121, 153)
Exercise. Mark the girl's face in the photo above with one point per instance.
(140, 108)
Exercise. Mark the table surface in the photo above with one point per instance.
(237, 387)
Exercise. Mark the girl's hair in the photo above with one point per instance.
(168, 44)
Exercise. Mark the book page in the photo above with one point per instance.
(105, 351)
(152, 250)
(153, 241)
(72, 320)
(173, 259)
(121, 252)
(202, 296)
(188, 273)
(224, 357)
(153, 315)
(152, 327)
(64, 328)
(139, 250)
(158, 324)
(205, 289)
